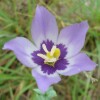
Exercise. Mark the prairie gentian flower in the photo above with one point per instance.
(52, 54)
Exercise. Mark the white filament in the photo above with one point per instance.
(45, 48)
(52, 60)
(42, 56)
(52, 50)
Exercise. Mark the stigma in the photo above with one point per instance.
(50, 57)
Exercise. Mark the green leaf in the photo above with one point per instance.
(38, 91)
(47, 96)
(51, 92)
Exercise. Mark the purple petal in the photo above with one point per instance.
(44, 26)
(77, 64)
(74, 37)
(43, 81)
(23, 49)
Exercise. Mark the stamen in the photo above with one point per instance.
(45, 48)
(51, 56)
(42, 56)
(53, 50)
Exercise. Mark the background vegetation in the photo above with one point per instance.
(16, 81)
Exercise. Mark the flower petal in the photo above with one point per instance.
(44, 26)
(44, 81)
(78, 63)
(23, 49)
(74, 37)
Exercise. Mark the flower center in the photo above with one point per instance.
(51, 56)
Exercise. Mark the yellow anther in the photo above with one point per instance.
(57, 53)
(49, 55)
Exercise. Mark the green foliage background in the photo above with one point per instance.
(16, 81)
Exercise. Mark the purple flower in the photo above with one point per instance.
(52, 54)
